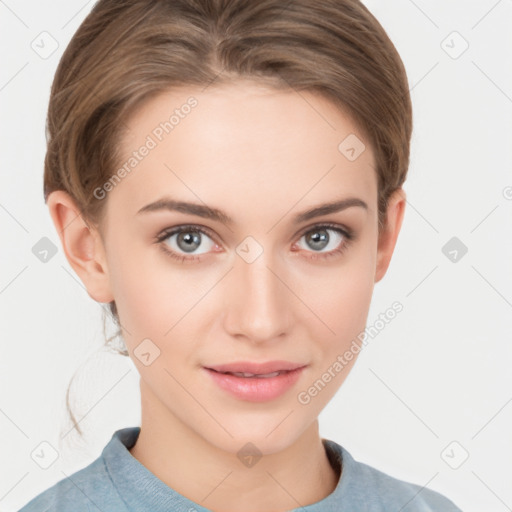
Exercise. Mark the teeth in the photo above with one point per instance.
(264, 376)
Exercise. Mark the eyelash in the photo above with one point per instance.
(347, 234)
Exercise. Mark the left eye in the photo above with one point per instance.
(319, 239)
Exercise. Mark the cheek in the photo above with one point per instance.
(341, 300)
(143, 297)
(155, 298)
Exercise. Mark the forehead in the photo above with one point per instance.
(240, 142)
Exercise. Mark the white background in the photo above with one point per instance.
(438, 373)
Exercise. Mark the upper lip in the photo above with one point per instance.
(256, 368)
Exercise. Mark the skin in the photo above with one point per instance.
(262, 156)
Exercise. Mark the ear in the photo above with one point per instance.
(389, 233)
(82, 245)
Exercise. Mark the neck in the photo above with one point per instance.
(296, 476)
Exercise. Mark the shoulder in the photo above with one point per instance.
(373, 490)
(412, 497)
(83, 491)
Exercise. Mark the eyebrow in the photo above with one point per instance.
(207, 212)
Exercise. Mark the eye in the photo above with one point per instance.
(185, 240)
(182, 243)
(326, 240)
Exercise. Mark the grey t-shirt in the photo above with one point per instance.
(117, 482)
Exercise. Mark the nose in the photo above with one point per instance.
(258, 301)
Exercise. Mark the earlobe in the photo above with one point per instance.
(389, 234)
(82, 245)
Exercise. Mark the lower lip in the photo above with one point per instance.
(256, 389)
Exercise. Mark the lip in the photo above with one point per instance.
(256, 389)
(256, 368)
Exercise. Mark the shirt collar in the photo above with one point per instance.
(140, 489)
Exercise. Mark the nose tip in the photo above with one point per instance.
(257, 305)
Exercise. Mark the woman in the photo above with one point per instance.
(227, 175)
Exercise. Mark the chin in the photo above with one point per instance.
(268, 437)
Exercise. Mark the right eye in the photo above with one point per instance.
(185, 240)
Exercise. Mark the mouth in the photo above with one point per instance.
(256, 385)
(252, 369)
(253, 375)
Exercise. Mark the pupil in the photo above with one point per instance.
(319, 239)
(189, 240)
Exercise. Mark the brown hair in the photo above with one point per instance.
(126, 52)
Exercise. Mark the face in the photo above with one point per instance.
(269, 284)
